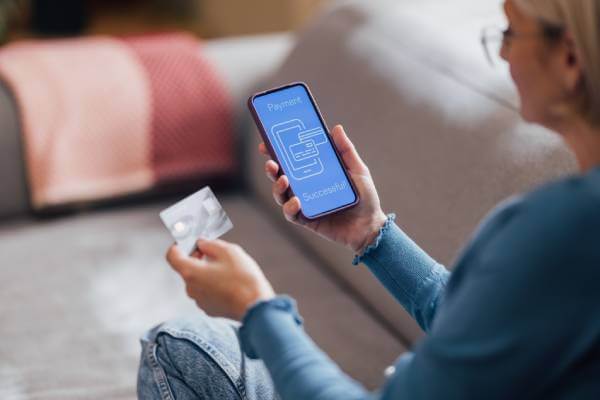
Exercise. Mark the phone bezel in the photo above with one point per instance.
(265, 137)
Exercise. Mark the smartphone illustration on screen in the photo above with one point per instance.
(301, 156)
(295, 133)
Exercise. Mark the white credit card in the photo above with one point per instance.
(198, 216)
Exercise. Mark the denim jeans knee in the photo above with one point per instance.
(199, 358)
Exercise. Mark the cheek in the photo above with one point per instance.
(527, 80)
(519, 77)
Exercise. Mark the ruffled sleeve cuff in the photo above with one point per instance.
(261, 310)
(371, 248)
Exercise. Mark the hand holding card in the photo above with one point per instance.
(198, 216)
(225, 281)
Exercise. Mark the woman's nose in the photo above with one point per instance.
(504, 52)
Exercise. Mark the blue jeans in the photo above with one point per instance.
(200, 358)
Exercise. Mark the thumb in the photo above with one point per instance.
(214, 249)
(182, 263)
(347, 151)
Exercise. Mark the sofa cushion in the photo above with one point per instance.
(437, 126)
(76, 294)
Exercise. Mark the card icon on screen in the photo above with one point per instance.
(304, 150)
(299, 147)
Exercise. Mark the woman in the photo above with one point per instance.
(518, 317)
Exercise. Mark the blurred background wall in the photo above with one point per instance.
(206, 18)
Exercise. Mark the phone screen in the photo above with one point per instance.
(296, 133)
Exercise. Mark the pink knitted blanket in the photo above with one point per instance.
(105, 117)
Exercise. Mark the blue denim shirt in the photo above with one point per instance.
(518, 318)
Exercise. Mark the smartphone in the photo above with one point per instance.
(293, 130)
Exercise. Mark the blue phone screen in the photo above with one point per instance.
(304, 150)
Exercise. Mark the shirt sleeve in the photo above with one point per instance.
(504, 330)
(415, 279)
(514, 323)
(272, 330)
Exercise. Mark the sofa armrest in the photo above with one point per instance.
(13, 189)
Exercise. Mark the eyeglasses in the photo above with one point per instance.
(494, 39)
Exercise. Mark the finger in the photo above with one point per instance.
(348, 151)
(197, 254)
(280, 188)
(291, 210)
(262, 148)
(178, 260)
(272, 169)
(214, 249)
(196, 293)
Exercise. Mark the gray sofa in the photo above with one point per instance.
(436, 125)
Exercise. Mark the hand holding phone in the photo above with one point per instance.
(296, 135)
(353, 225)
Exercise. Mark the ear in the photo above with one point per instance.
(570, 68)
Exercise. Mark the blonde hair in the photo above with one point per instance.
(581, 18)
